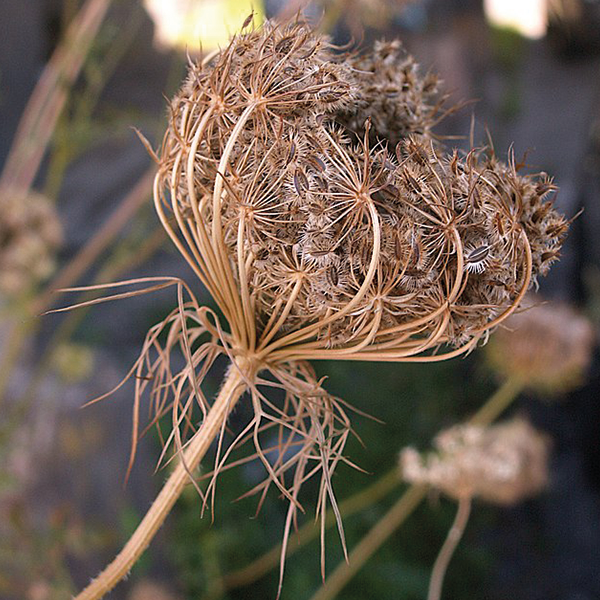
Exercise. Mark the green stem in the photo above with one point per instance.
(407, 503)
(498, 402)
(13, 344)
(382, 530)
(268, 561)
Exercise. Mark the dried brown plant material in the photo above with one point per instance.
(502, 464)
(305, 189)
(394, 94)
(375, 250)
(548, 346)
(30, 235)
(318, 238)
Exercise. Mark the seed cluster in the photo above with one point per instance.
(502, 464)
(313, 201)
(30, 234)
(548, 347)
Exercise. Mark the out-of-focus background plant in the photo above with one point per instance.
(75, 78)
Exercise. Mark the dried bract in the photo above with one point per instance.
(548, 346)
(30, 234)
(502, 464)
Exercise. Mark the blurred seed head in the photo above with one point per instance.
(548, 346)
(502, 464)
(30, 235)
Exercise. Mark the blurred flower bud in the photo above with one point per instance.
(502, 464)
(548, 347)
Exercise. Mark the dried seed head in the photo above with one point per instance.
(30, 234)
(547, 346)
(393, 94)
(502, 464)
(379, 251)
(304, 188)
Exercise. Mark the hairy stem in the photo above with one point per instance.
(231, 391)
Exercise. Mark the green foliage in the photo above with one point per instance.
(414, 401)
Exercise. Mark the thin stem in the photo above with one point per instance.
(371, 542)
(443, 560)
(122, 215)
(111, 271)
(11, 351)
(50, 95)
(498, 402)
(344, 572)
(68, 275)
(350, 506)
(231, 391)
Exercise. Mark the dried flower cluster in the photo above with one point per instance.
(502, 464)
(547, 346)
(370, 240)
(30, 234)
(397, 99)
(306, 191)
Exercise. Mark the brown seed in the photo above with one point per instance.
(247, 20)
(317, 163)
(332, 275)
(292, 153)
(300, 182)
(285, 45)
(475, 259)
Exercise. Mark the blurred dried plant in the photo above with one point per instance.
(547, 346)
(30, 235)
(502, 464)
(319, 236)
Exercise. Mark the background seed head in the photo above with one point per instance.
(30, 235)
(548, 346)
(502, 464)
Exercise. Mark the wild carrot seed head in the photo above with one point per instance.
(548, 347)
(313, 198)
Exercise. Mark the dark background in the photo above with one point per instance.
(68, 513)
